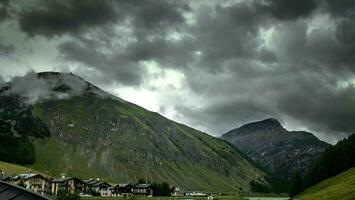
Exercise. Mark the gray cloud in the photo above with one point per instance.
(340, 8)
(298, 80)
(34, 87)
(4, 9)
(56, 17)
(149, 23)
(1, 79)
(288, 10)
(6, 49)
(30, 87)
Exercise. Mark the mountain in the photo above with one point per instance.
(71, 126)
(278, 150)
(337, 187)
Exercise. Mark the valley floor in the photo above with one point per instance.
(187, 198)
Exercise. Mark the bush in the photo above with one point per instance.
(66, 195)
(161, 189)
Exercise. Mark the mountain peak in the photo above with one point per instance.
(270, 123)
(263, 124)
(52, 85)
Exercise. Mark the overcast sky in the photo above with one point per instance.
(213, 65)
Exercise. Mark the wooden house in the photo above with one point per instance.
(69, 184)
(122, 190)
(34, 182)
(143, 189)
(96, 185)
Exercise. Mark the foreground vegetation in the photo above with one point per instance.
(163, 198)
(341, 186)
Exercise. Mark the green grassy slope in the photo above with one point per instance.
(13, 169)
(341, 187)
(122, 142)
(94, 134)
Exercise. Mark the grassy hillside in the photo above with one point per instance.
(13, 169)
(121, 142)
(85, 132)
(341, 187)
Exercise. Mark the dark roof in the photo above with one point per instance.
(124, 185)
(8, 191)
(102, 184)
(142, 186)
(28, 176)
(90, 181)
(96, 183)
(66, 179)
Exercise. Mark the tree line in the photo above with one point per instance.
(335, 160)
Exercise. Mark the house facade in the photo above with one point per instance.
(70, 184)
(34, 182)
(101, 187)
(122, 190)
(144, 189)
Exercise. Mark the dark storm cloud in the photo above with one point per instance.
(56, 17)
(149, 23)
(298, 79)
(340, 8)
(111, 67)
(4, 12)
(320, 105)
(287, 10)
(153, 14)
(297, 72)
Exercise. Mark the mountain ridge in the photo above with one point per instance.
(280, 151)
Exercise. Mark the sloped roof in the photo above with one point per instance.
(142, 186)
(8, 191)
(67, 179)
(27, 176)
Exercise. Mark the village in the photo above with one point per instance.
(48, 186)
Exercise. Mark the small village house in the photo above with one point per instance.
(176, 192)
(34, 182)
(96, 185)
(122, 190)
(143, 189)
(70, 184)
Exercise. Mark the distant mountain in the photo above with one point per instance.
(72, 126)
(278, 150)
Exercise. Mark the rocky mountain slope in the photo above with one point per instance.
(81, 130)
(280, 151)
